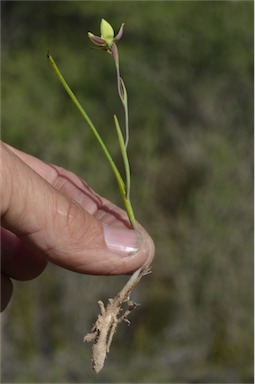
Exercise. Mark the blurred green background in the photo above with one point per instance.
(188, 67)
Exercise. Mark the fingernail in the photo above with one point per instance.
(121, 240)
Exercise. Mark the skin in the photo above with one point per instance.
(50, 214)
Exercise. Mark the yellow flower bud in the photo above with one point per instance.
(106, 40)
(107, 32)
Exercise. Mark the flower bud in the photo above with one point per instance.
(107, 32)
(107, 39)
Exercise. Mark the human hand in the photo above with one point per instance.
(50, 214)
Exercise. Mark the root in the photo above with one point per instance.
(109, 318)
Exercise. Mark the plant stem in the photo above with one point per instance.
(121, 90)
(124, 99)
(127, 171)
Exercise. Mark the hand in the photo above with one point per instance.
(50, 214)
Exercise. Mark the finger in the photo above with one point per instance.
(76, 189)
(18, 261)
(62, 230)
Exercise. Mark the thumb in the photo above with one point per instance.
(60, 229)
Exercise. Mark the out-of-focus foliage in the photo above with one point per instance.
(188, 67)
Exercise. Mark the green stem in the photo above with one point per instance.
(124, 99)
(125, 105)
(127, 171)
(130, 212)
(121, 90)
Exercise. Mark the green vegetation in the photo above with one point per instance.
(188, 68)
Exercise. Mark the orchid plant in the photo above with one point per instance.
(120, 306)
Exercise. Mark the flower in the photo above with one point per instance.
(107, 38)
